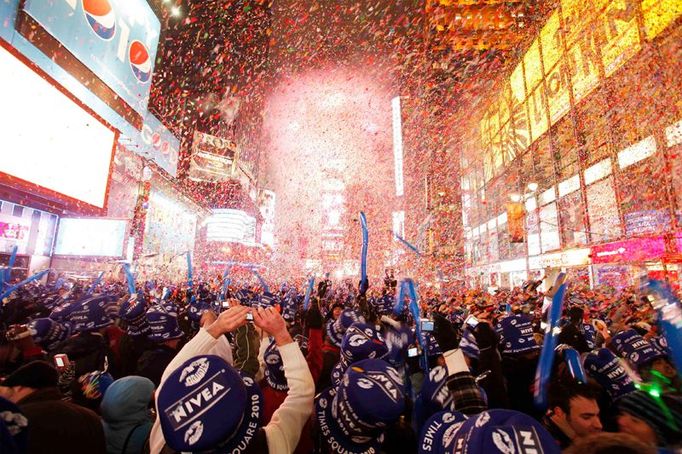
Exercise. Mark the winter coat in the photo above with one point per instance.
(58, 427)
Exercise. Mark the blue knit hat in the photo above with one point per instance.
(590, 334)
(91, 314)
(337, 328)
(633, 347)
(500, 431)
(163, 326)
(205, 404)
(661, 344)
(516, 334)
(434, 396)
(353, 416)
(274, 368)
(437, 427)
(468, 344)
(605, 367)
(13, 429)
(197, 308)
(47, 333)
(133, 312)
(432, 347)
(361, 341)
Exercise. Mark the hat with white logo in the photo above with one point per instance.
(274, 368)
(48, 333)
(633, 347)
(13, 429)
(468, 344)
(436, 428)
(605, 367)
(516, 334)
(133, 312)
(353, 416)
(163, 325)
(337, 328)
(206, 404)
(361, 341)
(90, 314)
(434, 396)
(500, 431)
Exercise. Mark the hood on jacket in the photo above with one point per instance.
(126, 401)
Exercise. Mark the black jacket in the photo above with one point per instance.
(58, 427)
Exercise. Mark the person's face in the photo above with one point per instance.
(15, 393)
(634, 426)
(663, 366)
(583, 416)
(336, 313)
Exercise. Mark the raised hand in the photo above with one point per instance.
(271, 321)
(229, 320)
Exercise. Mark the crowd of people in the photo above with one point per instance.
(211, 367)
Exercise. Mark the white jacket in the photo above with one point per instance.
(284, 430)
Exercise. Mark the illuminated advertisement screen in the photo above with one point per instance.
(115, 39)
(48, 140)
(229, 225)
(98, 237)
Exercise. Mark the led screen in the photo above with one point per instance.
(47, 139)
(90, 236)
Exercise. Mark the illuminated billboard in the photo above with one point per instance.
(229, 225)
(574, 49)
(115, 39)
(49, 140)
(98, 237)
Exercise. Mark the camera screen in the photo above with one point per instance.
(427, 325)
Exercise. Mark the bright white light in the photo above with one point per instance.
(228, 225)
(515, 197)
(532, 187)
(333, 100)
(58, 146)
(334, 216)
(637, 152)
(399, 223)
(397, 146)
(175, 11)
(91, 237)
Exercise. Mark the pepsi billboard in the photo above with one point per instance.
(155, 142)
(115, 39)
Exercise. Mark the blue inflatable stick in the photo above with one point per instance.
(544, 370)
(308, 292)
(408, 245)
(669, 311)
(411, 290)
(190, 280)
(365, 241)
(129, 278)
(95, 283)
(399, 305)
(35, 277)
(575, 365)
(263, 284)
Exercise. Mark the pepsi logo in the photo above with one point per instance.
(101, 18)
(140, 62)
